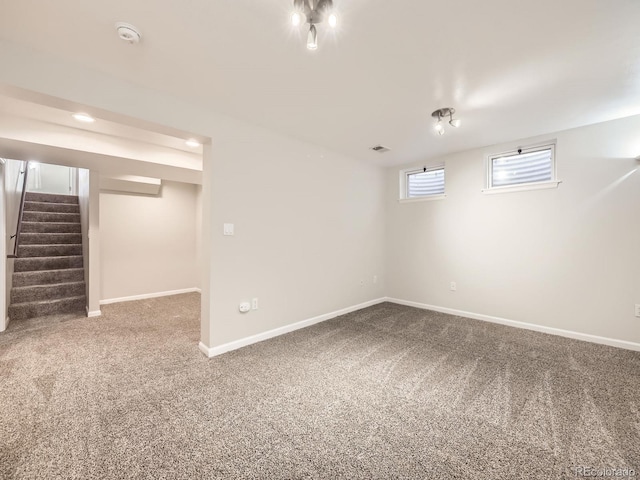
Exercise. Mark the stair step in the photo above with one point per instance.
(47, 277)
(36, 293)
(49, 250)
(51, 207)
(23, 311)
(47, 263)
(50, 238)
(50, 227)
(51, 198)
(50, 217)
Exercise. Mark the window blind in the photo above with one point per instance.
(522, 168)
(421, 184)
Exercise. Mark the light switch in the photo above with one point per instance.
(228, 228)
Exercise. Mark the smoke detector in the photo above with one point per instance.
(128, 32)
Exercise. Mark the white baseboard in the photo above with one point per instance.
(204, 349)
(149, 295)
(243, 342)
(95, 313)
(6, 324)
(528, 326)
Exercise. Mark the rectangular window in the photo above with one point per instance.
(422, 183)
(533, 166)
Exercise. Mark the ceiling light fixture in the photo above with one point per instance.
(83, 117)
(313, 12)
(443, 113)
(192, 142)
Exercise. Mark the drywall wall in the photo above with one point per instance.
(566, 258)
(50, 178)
(4, 293)
(309, 223)
(308, 233)
(198, 215)
(148, 242)
(89, 200)
(11, 184)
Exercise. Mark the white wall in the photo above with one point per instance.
(46, 178)
(147, 242)
(309, 227)
(13, 183)
(4, 292)
(198, 215)
(11, 191)
(567, 258)
(302, 252)
(89, 201)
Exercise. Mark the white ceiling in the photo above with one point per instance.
(511, 69)
(41, 128)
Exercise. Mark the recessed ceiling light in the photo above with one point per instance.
(83, 117)
(193, 143)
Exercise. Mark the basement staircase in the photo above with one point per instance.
(48, 276)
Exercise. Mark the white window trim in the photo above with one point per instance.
(522, 188)
(553, 183)
(403, 184)
(426, 198)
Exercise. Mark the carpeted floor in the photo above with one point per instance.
(386, 392)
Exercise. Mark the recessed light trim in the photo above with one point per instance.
(192, 142)
(83, 117)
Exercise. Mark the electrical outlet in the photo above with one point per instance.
(254, 304)
(453, 287)
(637, 310)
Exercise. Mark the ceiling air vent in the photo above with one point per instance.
(380, 149)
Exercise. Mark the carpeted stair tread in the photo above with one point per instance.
(50, 227)
(48, 277)
(50, 217)
(51, 207)
(49, 250)
(22, 311)
(33, 293)
(47, 263)
(50, 238)
(51, 198)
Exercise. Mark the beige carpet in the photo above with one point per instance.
(386, 392)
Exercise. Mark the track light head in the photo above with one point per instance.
(313, 12)
(312, 38)
(455, 122)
